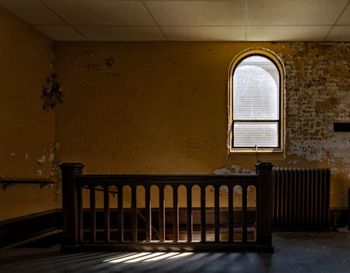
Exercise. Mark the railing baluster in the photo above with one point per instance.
(244, 213)
(92, 214)
(80, 214)
(217, 213)
(133, 214)
(175, 214)
(203, 212)
(106, 212)
(161, 214)
(189, 213)
(148, 213)
(230, 213)
(121, 213)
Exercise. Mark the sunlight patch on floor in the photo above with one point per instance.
(146, 257)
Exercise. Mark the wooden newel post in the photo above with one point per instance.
(69, 173)
(264, 207)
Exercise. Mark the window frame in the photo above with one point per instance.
(272, 56)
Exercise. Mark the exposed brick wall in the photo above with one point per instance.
(318, 93)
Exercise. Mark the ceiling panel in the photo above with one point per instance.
(295, 12)
(31, 11)
(101, 12)
(114, 33)
(186, 20)
(190, 13)
(61, 33)
(339, 33)
(345, 18)
(198, 33)
(287, 33)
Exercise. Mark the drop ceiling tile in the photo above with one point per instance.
(190, 13)
(345, 18)
(61, 33)
(295, 12)
(122, 33)
(287, 33)
(339, 33)
(101, 12)
(198, 33)
(31, 11)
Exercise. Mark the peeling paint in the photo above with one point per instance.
(51, 92)
(41, 160)
(166, 110)
(318, 94)
(222, 171)
(233, 168)
(26, 56)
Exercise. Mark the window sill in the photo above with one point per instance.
(254, 150)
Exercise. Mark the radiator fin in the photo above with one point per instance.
(301, 198)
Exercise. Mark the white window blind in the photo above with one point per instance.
(257, 134)
(256, 103)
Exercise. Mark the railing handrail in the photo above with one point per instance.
(168, 179)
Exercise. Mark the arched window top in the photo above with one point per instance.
(256, 96)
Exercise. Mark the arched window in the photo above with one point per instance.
(256, 102)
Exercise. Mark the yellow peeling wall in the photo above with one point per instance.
(162, 108)
(26, 130)
(154, 108)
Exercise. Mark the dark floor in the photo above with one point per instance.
(294, 252)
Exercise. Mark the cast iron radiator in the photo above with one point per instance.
(301, 199)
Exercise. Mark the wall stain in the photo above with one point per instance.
(51, 92)
(109, 61)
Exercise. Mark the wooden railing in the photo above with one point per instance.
(151, 227)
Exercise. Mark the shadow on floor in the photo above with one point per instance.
(294, 252)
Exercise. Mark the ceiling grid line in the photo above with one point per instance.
(64, 20)
(336, 21)
(154, 20)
